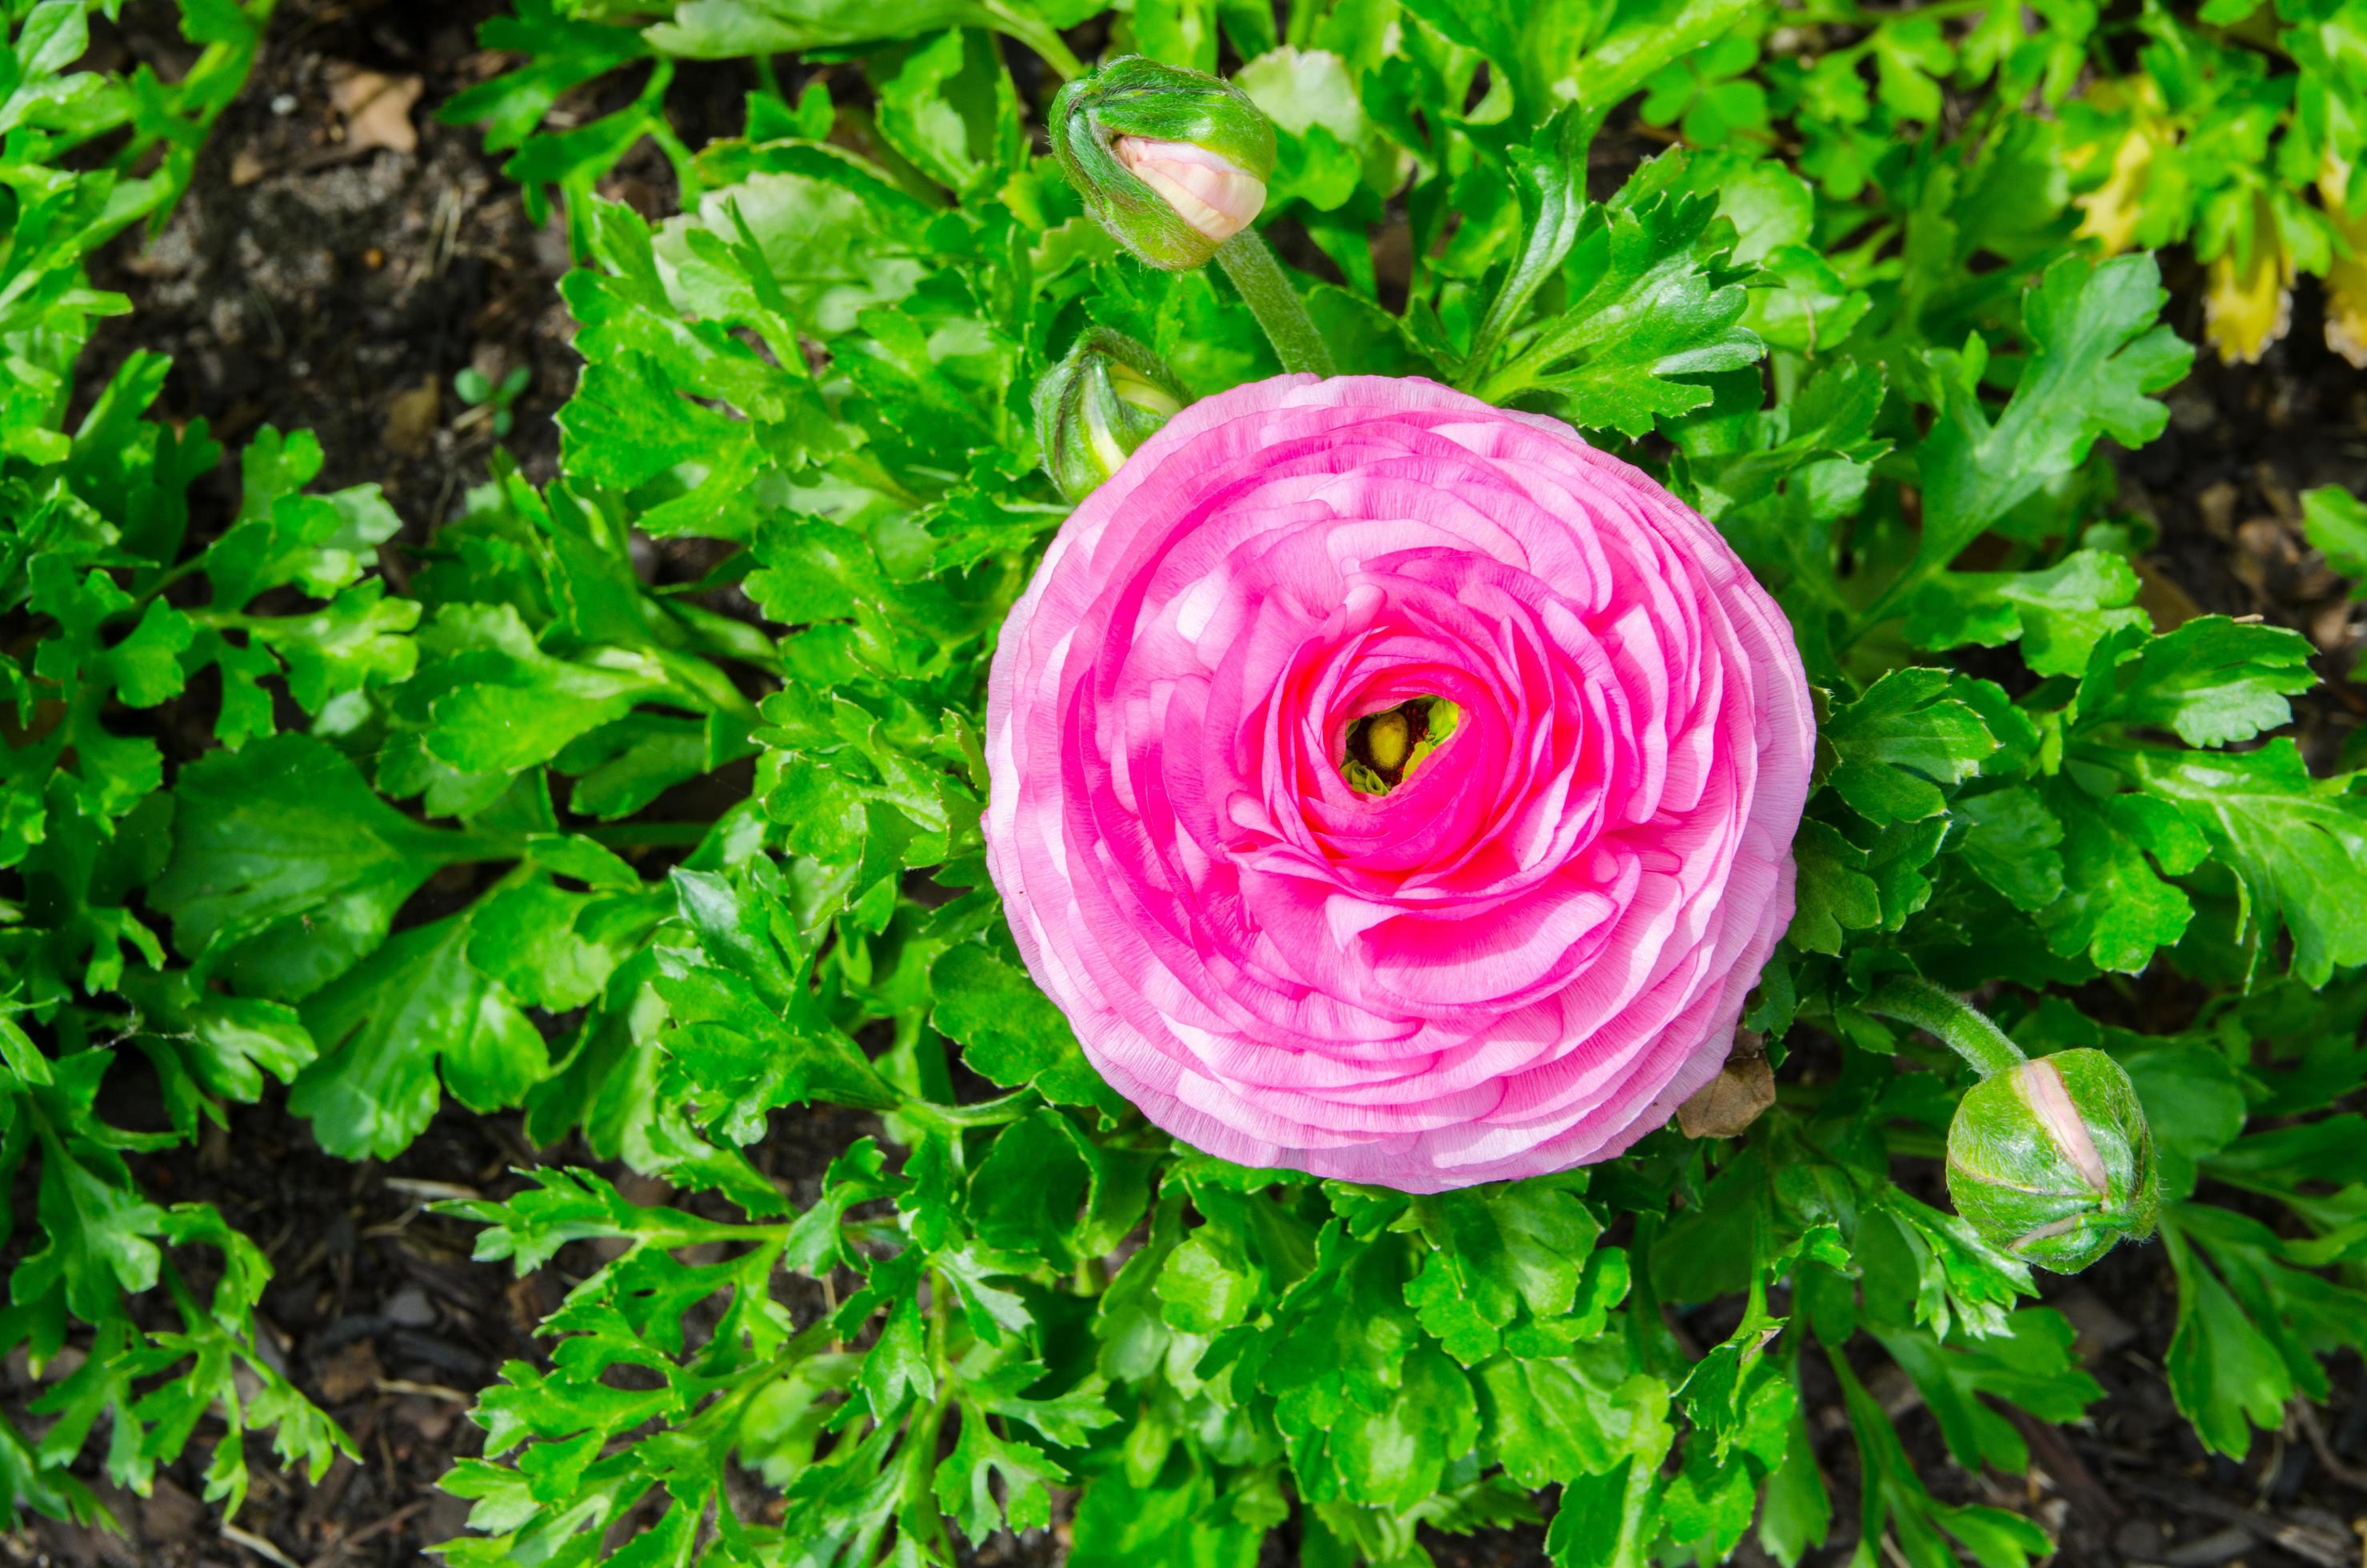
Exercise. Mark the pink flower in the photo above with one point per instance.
(1536, 942)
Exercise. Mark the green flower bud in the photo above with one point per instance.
(1108, 397)
(2052, 1159)
(1172, 162)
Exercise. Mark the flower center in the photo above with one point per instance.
(1387, 747)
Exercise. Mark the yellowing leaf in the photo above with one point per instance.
(2247, 303)
(2346, 276)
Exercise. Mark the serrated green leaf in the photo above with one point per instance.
(2297, 844)
(2095, 352)
(1899, 748)
(1651, 304)
(2213, 682)
(2058, 614)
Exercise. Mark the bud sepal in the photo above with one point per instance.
(1106, 396)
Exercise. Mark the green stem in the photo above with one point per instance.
(193, 564)
(1250, 265)
(1886, 603)
(707, 686)
(1962, 1027)
(920, 1451)
(1037, 36)
(650, 835)
(982, 1113)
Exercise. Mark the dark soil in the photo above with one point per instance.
(312, 280)
(2221, 486)
(307, 282)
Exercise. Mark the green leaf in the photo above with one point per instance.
(490, 701)
(722, 29)
(101, 1230)
(1797, 1511)
(747, 1034)
(2031, 1364)
(416, 1011)
(2011, 842)
(1534, 48)
(2213, 682)
(552, 949)
(1956, 1278)
(2116, 907)
(966, 1484)
(560, 53)
(2297, 845)
(1554, 1421)
(2226, 1375)
(1651, 303)
(282, 840)
(2095, 351)
(2335, 521)
(1896, 1503)
(1495, 1250)
(1176, 1515)
(147, 663)
(2058, 614)
(951, 109)
(1833, 893)
(1011, 1034)
(2194, 1103)
(1897, 749)
(228, 1044)
(1397, 1456)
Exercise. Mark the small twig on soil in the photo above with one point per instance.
(257, 1545)
(2306, 1541)
(2073, 1480)
(2208, 1551)
(2349, 1475)
(395, 1520)
(412, 1187)
(427, 1391)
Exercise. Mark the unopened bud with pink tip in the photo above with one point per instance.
(2050, 1158)
(2053, 1161)
(1172, 162)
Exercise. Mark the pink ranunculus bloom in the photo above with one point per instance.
(1520, 953)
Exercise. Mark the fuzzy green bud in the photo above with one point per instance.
(1106, 398)
(2052, 1159)
(1172, 162)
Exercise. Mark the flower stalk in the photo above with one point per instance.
(1954, 1022)
(1280, 312)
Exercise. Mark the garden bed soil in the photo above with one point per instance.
(334, 267)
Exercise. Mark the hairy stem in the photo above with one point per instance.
(1249, 264)
(1038, 36)
(1962, 1027)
